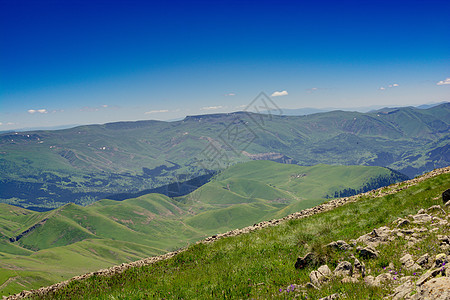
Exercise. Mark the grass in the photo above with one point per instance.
(259, 264)
(240, 196)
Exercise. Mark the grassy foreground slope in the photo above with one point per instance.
(260, 264)
(72, 239)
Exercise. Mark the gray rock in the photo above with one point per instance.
(408, 263)
(305, 261)
(403, 290)
(330, 297)
(402, 222)
(434, 208)
(423, 260)
(367, 252)
(343, 269)
(377, 281)
(427, 276)
(339, 245)
(446, 196)
(359, 267)
(421, 218)
(320, 275)
(436, 289)
(309, 285)
(440, 260)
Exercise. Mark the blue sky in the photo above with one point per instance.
(83, 62)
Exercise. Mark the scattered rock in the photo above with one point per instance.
(440, 260)
(436, 288)
(309, 285)
(320, 276)
(408, 263)
(434, 208)
(403, 290)
(421, 218)
(330, 297)
(376, 237)
(339, 245)
(423, 260)
(446, 196)
(344, 269)
(359, 267)
(305, 261)
(428, 275)
(377, 281)
(367, 252)
(402, 222)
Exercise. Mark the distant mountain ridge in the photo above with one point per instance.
(46, 169)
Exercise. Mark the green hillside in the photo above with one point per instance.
(40, 248)
(47, 169)
(260, 264)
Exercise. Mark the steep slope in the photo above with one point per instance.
(260, 261)
(45, 245)
(47, 169)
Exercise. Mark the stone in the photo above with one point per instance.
(309, 285)
(376, 237)
(331, 297)
(339, 245)
(421, 218)
(446, 196)
(343, 269)
(440, 260)
(367, 252)
(408, 263)
(402, 222)
(402, 290)
(359, 267)
(423, 260)
(427, 275)
(349, 280)
(436, 289)
(303, 262)
(320, 275)
(434, 208)
(377, 281)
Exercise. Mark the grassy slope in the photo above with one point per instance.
(401, 140)
(258, 264)
(155, 223)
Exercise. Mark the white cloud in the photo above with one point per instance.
(41, 111)
(212, 107)
(311, 90)
(242, 106)
(443, 82)
(382, 88)
(230, 94)
(156, 111)
(1, 123)
(277, 94)
(104, 106)
(395, 84)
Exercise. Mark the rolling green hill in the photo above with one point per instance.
(40, 248)
(47, 169)
(260, 264)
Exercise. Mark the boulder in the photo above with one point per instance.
(344, 269)
(446, 196)
(436, 288)
(339, 245)
(367, 252)
(408, 263)
(320, 276)
(423, 260)
(305, 261)
(421, 218)
(440, 260)
(359, 267)
(377, 281)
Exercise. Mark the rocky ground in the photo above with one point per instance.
(417, 269)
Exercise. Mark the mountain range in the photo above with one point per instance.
(42, 170)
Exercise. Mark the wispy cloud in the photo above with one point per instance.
(211, 107)
(1, 123)
(41, 111)
(312, 90)
(230, 95)
(392, 85)
(277, 94)
(443, 82)
(156, 111)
